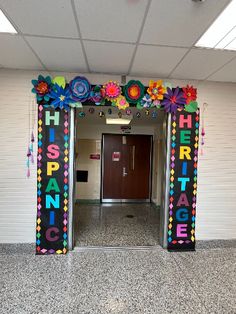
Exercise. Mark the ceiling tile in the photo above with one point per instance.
(111, 19)
(59, 54)
(44, 17)
(108, 57)
(15, 53)
(226, 74)
(156, 61)
(179, 23)
(200, 63)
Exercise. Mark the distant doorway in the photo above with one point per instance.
(126, 168)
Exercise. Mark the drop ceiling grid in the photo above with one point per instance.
(132, 55)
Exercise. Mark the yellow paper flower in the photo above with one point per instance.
(156, 90)
(121, 103)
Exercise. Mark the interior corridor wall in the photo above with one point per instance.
(89, 142)
(216, 214)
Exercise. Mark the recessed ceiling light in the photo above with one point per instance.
(114, 119)
(5, 25)
(222, 33)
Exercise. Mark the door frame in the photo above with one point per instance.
(102, 200)
(166, 183)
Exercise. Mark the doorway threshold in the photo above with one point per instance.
(78, 249)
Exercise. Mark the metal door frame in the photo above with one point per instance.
(165, 189)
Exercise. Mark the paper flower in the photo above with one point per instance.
(156, 90)
(156, 103)
(190, 93)
(146, 102)
(173, 100)
(62, 98)
(134, 91)
(96, 95)
(111, 90)
(80, 88)
(42, 88)
(122, 103)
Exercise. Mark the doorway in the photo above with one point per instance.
(126, 168)
(125, 210)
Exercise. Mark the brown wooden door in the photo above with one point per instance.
(126, 167)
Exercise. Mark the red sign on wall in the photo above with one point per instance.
(95, 156)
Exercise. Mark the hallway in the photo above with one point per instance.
(116, 225)
(150, 281)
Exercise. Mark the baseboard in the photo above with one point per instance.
(86, 201)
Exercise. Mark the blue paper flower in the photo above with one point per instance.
(61, 97)
(146, 101)
(42, 88)
(80, 89)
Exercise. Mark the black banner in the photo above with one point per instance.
(52, 181)
(183, 180)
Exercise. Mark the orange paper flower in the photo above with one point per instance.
(156, 90)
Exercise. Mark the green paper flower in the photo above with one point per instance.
(42, 88)
(134, 91)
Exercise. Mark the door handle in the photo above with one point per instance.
(133, 157)
(124, 172)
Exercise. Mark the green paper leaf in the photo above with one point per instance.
(191, 107)
(60, 81)
(138, 106)
(76, 105)
(34, 82)
(167, 84)
(113, 103)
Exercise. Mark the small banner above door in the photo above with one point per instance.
(183, 180)
(52, 181)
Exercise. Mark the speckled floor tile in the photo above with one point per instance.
(216, 244)
(212, 274)
(93, 282)
(108, 225)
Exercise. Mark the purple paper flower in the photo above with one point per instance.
(174, 99)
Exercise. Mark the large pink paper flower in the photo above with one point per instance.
(112, 90)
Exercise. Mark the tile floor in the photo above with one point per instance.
(119, 281)
(108, 225)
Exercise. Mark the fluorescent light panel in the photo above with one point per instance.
(222, 33)
(5, 25)
(120, 121)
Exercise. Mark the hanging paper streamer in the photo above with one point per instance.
(30, 149)
(28, 162)
(203, 133)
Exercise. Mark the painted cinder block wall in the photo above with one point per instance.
(216, 212)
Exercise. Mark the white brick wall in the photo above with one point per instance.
(216, 210)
